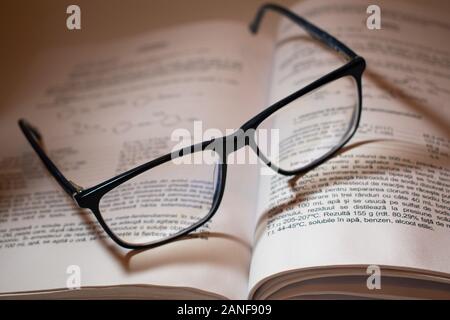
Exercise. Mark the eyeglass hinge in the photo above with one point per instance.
(78, 189)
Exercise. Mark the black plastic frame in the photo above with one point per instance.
(90, 198)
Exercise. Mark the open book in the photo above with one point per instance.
(383, 202)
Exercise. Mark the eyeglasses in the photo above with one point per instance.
(169, 197)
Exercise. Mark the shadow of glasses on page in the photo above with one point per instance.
(196, 248)
(409, 101)
(394, 90)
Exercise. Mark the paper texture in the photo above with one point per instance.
(384, 199)
(108, 108)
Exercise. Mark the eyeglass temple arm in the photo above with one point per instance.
(35, 139)
(314, 31)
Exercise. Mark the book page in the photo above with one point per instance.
(107, 108)
(384, 200)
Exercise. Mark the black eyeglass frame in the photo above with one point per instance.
(90, 198)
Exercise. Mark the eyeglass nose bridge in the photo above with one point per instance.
(237, 140)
